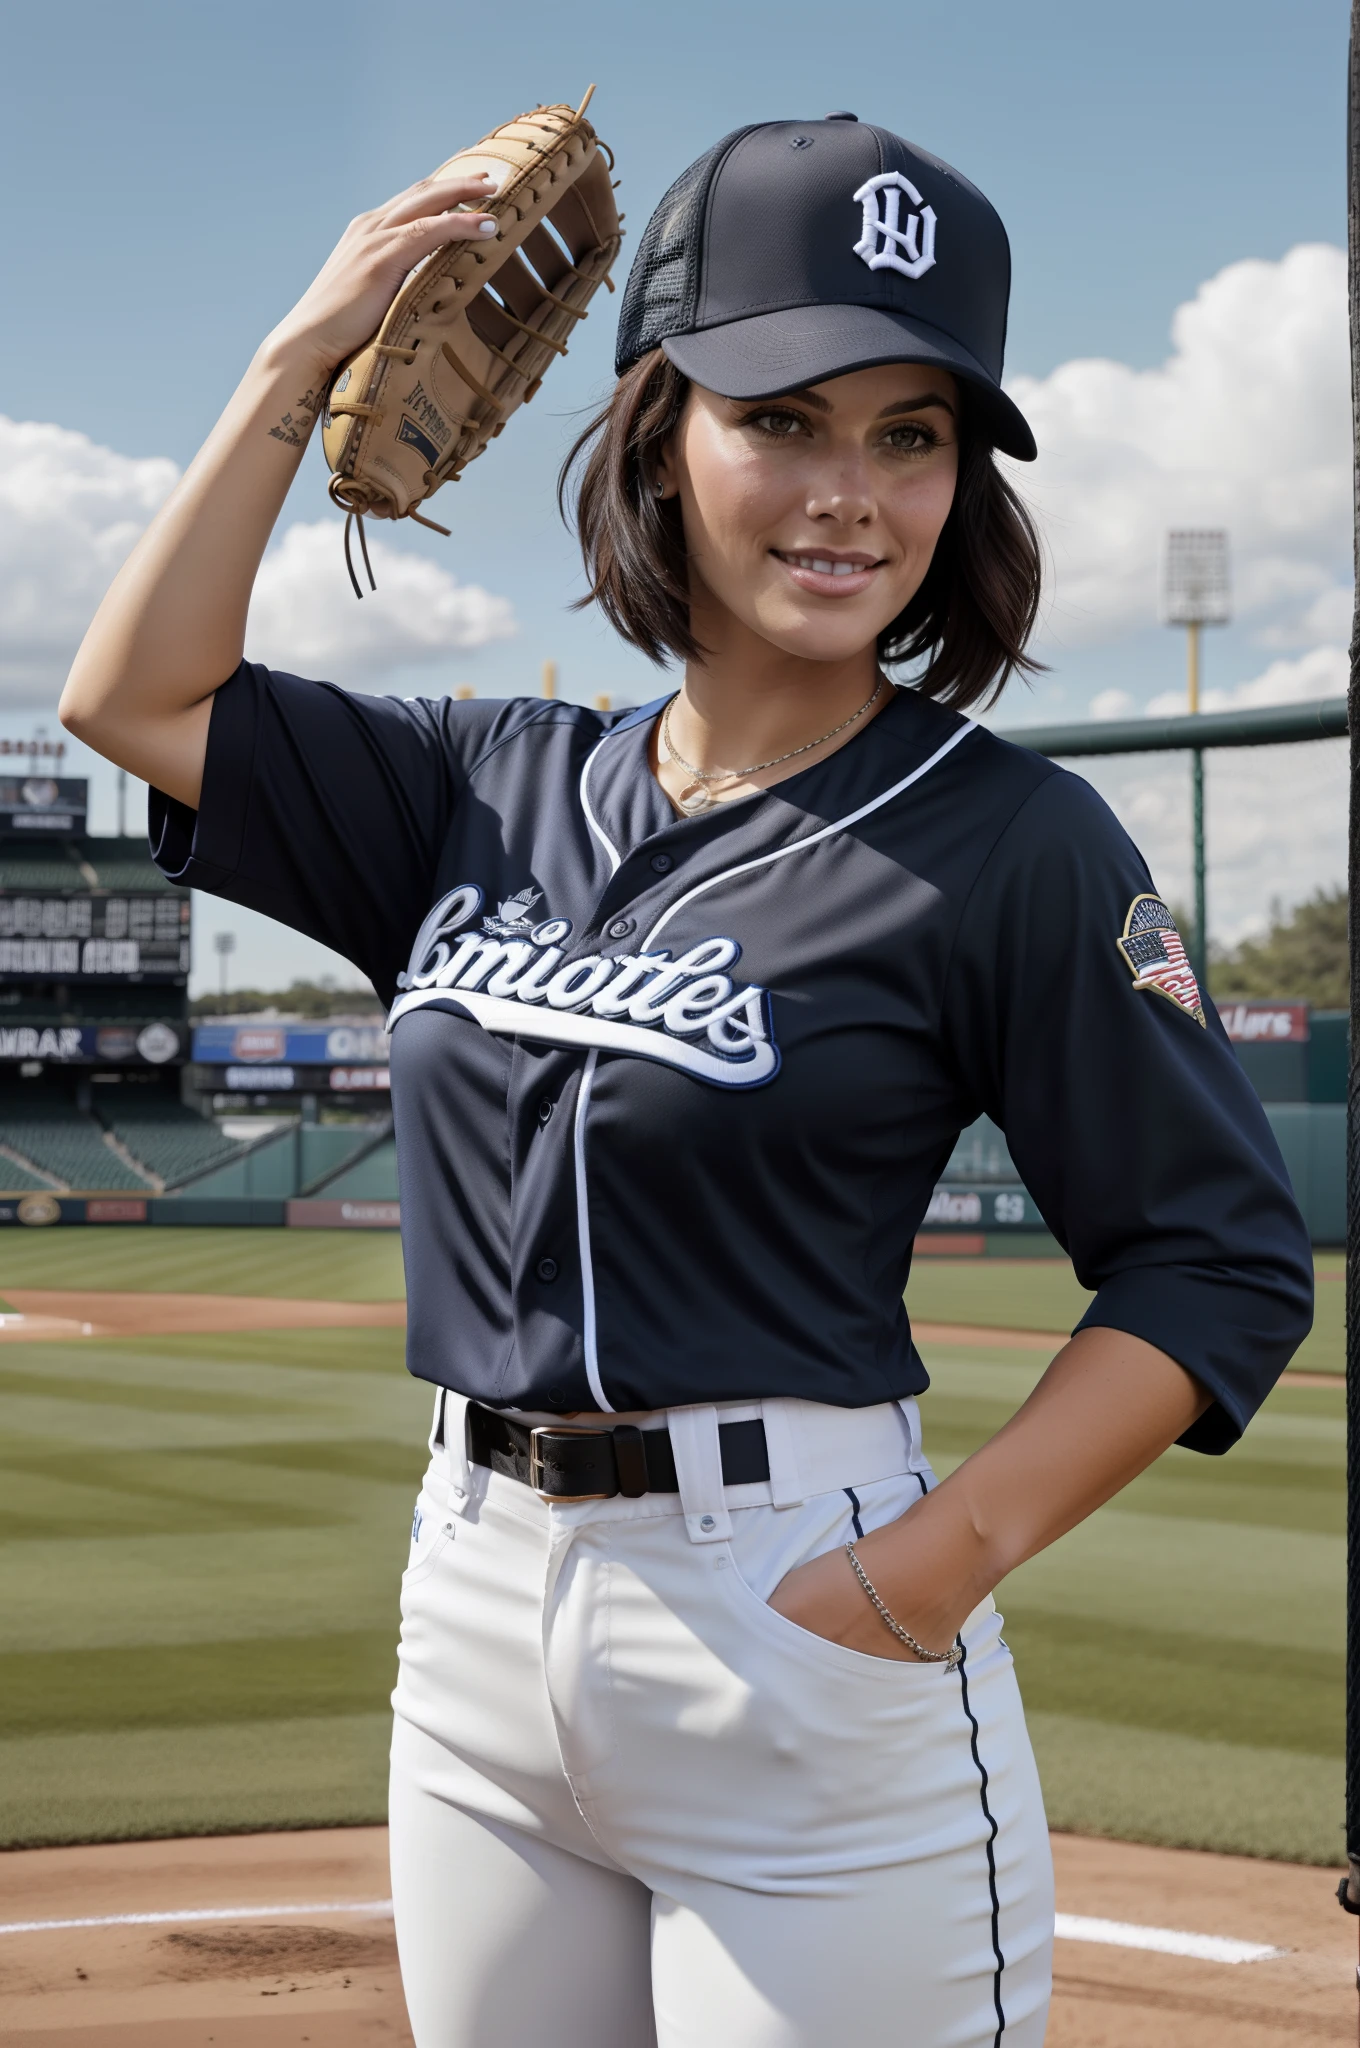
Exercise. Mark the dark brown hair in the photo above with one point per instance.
(968, 622)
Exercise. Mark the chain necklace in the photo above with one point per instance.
(696, 796)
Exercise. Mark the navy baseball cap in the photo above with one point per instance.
(793, 251)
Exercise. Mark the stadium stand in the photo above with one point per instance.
(18, 1180)
(61, 1140)
(168, 1138)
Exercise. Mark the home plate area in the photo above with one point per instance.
(278, 1940)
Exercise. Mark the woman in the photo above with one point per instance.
(705, 1731)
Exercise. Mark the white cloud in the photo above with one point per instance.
(1322, 672)
(1246, 425)
(304, 615)
(71, 510)
(1108, 704)
(1275, 817)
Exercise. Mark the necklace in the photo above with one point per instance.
(696, 796)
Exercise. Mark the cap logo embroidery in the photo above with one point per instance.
(1156, 957)
(884, 243)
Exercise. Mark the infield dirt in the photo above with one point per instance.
(214, 1984)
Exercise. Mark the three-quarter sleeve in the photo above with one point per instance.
(1079, 1030)
(323, 809)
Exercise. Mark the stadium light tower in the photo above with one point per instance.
(224, 945)
(1196, 593)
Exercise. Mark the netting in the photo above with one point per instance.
(659, 297)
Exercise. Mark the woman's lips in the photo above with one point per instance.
(830, 575)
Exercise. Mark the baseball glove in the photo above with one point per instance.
(470, 334)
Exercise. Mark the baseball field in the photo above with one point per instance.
(207, 1487)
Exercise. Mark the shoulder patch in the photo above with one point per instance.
(1156, 957)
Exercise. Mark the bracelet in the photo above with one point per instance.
(950, 1658)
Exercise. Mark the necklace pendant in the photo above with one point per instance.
(694, 798)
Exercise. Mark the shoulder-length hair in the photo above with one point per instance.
(968, 623)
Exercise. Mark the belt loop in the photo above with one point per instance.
(911, 1416)
(457, 1469)
(787, 1489)
(698, 1470)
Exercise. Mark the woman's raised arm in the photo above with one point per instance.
(171, 628)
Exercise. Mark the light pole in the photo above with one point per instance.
(1196, 593)
(224, 945)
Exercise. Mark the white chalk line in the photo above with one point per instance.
(1170, 1941)
(376, 1909)
(1167, 1941)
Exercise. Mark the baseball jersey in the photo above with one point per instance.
(671, 1095)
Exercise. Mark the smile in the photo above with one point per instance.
(829, 575)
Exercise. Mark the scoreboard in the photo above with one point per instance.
(130, 936)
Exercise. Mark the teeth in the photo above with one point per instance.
(822, 567)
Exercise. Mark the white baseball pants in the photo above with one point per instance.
(633, 1807)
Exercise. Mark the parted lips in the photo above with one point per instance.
(471, 333)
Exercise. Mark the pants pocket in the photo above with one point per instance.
(432, 1530)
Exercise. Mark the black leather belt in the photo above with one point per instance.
(565, 1463)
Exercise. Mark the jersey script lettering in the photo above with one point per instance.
(512, 975)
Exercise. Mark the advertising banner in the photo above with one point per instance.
(291, 1045)
(1265, 1023)
(89, 1045)
(320, 1215)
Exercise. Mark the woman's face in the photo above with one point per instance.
(812, 519)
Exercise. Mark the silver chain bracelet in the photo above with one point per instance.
(950, 1658)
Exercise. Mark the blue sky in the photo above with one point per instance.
(177, 172)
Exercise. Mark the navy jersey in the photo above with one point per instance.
(672, 1094)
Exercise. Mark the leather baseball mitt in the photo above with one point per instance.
(469, 336)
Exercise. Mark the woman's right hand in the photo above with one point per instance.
(345, 304)
(172, 624)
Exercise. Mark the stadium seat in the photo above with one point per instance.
(167, 1137)
(62, 1141)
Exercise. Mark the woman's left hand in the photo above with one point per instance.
(824, 1597)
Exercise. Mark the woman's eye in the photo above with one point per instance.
(912, 438)
(783, 425)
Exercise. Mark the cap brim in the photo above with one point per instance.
(773, 353)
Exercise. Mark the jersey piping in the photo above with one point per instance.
(823, 832)
(588, 1343)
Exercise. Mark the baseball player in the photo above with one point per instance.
(705, 1729)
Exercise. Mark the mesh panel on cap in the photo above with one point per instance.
(659, 298)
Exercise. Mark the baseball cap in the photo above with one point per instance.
(793, 251)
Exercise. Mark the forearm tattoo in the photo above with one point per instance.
(295, 426)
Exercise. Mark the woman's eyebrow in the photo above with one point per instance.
(899, 405)
(915, 404)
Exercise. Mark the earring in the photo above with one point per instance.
(660, 487)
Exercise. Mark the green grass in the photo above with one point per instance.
(1181, 1653)
(201, 1540)
(202, 1537)
(314, 1265)
(1043, 1294)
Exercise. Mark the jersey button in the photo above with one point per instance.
(620, 927)
(662, 863)
(546, 1269)
(545, 1109)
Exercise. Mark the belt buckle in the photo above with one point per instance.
(536, 1463)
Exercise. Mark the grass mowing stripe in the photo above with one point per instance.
(391, 1463)
(359, 1349)
(159, 1398)
(316, 1265)
(1216, 1690)
(187, 1685)
(139, 1783)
